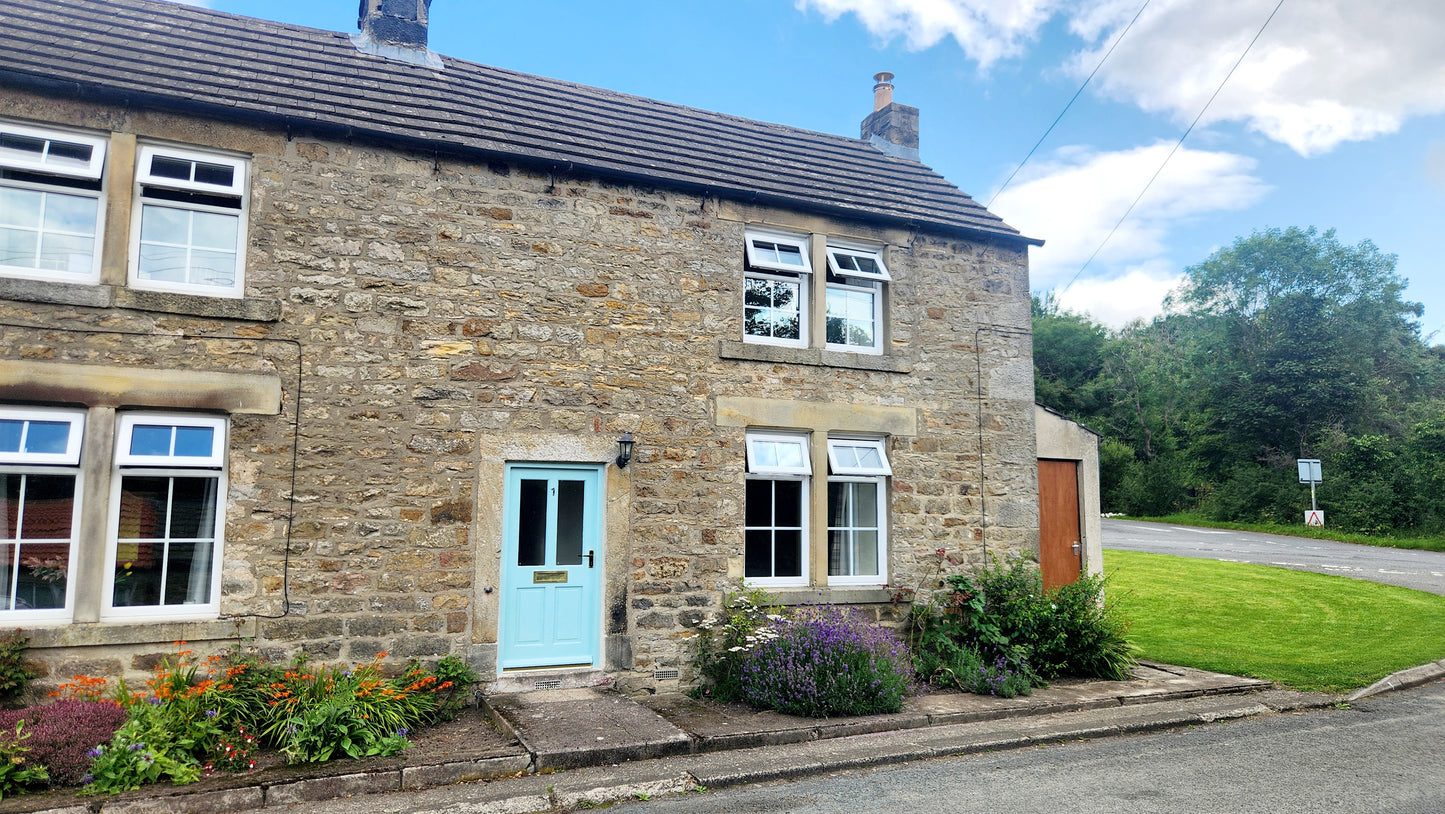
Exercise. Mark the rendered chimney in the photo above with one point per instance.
(891, 128)
(399, 23)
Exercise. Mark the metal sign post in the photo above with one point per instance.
(1309, 472)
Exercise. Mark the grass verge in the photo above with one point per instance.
(1307, 631)
(1301, 530)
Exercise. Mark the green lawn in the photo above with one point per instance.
(1307, 631)
(1427, 543)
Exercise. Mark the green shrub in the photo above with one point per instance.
(15, 675)
(998, 632)
(318, 713)
(455, 679)
(144, 750)
(748, 618)
(16, 772)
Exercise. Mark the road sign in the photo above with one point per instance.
(1315, 517)
(1309, 470)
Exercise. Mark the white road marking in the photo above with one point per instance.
(1198, 531)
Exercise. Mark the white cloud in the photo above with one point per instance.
(1136, 294)
(987, 30)
(1073, 198)
(1324, 72)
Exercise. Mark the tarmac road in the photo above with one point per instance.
(1421, 570)
(1383, 755)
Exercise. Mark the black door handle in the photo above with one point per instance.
(590, 562)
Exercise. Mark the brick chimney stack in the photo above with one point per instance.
(891, 128)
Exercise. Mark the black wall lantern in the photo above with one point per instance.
(624, 450)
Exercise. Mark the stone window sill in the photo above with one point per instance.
(730, 349)
(250, 309)
(850, 595)
(93, 634)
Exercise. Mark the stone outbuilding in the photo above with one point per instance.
(329, 343)
(1071, 528)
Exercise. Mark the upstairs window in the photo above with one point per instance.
(39, 511)
(166, 516)
(190, 224)
(854, 306)
(50, 212)
(775, 289)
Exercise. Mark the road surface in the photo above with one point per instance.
(1384, 755)
(1421, 570)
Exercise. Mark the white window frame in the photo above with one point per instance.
(878, 478)
(801, 474)
(127, 422)
(881, 578)
(798, 241)
(876, 289)
(166, 467)
(805, 315)
(839, 468)
(804, 543)
(875, 284)
(875, 254)
(93, 171)
(71, 455)
(238, 189)
(754, 440)
(22, 463)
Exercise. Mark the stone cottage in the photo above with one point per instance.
(328, 343)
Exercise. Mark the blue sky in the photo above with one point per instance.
(1336, 119)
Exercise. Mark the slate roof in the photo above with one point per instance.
(152, 53)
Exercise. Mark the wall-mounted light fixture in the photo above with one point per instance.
(624, 450)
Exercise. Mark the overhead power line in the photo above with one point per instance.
(1177, 145)
(1072, 99)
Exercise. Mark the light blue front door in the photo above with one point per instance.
(551, 611)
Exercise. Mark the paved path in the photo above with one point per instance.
(1383, 755)
(1421, 570)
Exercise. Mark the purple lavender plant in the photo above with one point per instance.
(828, 662)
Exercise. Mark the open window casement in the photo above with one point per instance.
(778, 251)
(863, 263)
(853, 457)
(778, 455)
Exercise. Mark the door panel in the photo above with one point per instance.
(1060, 541)
(551, 567)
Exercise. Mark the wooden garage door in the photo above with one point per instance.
(1059, 538)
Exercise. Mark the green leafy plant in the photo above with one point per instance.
(326, 711)
(454, 681)
(998, 632)
(17, 773)
(15, 674)
(144, 750)
(748, 618)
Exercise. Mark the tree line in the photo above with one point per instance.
(1288, 344)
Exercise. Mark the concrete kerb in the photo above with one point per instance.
(1401, 680)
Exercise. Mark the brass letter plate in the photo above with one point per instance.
(544, 577)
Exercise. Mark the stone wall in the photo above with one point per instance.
(451, 315)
